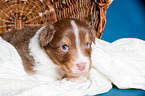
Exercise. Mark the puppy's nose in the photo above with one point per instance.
(81, 66)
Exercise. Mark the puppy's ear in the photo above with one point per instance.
(46, 35)
(92, 34)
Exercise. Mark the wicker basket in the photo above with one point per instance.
(22, 13)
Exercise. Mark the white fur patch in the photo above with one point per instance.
(81, 57)
(44, 66)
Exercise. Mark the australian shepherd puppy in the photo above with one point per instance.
(55, 50)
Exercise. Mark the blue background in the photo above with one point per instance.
(125, 19)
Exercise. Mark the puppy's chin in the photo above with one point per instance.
(76, 72)
(77, 78)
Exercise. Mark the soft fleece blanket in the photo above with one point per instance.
(121, 63)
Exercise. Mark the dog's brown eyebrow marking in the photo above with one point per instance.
(66, 41)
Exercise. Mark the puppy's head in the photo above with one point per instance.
(68, 43)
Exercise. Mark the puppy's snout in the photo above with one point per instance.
(81, 66)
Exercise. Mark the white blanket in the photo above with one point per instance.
(121, 62)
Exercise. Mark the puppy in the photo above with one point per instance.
(55, 50)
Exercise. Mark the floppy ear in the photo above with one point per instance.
(92, 34)
(46, 35)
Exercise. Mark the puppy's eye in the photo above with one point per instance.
(87, 45)
(64, 47)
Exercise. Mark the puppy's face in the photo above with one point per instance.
(68, 44)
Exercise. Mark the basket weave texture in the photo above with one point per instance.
(19, 14)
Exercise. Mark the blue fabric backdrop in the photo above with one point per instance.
(125, 19)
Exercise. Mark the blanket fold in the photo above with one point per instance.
(121, 62)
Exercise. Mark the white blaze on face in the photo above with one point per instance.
(81, 58)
